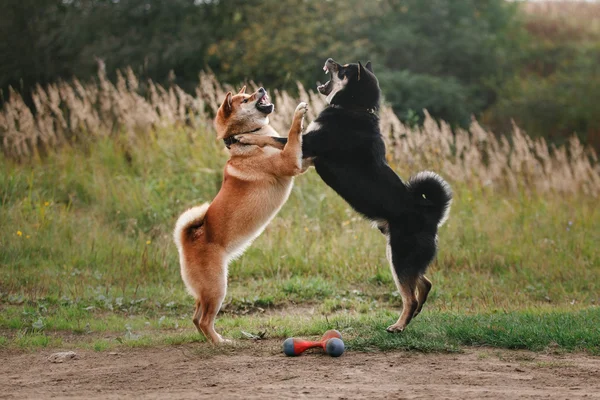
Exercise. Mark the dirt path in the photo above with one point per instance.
(186, 372)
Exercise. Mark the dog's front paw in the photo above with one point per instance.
(245, 139)
(301, 110)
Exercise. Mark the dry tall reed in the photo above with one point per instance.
(67, 112)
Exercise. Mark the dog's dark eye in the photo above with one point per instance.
(245, 101)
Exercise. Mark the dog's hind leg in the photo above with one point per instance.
(409, 256)
(197, 315)
(210, 305)
(208, 278)
(423, 288)
(407, 288)
(211, 298)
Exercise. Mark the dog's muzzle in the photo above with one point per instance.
(262, 103)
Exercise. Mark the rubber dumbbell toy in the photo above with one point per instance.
(331, 343)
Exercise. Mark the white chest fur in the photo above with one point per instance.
(313, 126)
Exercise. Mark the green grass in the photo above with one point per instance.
(435, 331)
(86, 251)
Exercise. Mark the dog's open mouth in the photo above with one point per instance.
(327, 87)
(263, 104)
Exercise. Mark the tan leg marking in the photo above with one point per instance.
(423, 288)
(409, 304)
(407, 288)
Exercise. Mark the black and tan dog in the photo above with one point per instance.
(256, 183)
(349, 155)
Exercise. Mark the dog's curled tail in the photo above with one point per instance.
(433, 193)
(190, 219)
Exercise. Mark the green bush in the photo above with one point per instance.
(444, 56)
(557, 98)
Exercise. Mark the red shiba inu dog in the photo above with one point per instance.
(256, 183)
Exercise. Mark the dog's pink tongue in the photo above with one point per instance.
(325, 69)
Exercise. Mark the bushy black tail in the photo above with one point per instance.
(433, 193)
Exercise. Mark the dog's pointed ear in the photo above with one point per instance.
(361, 70)
(227, 105)
(369, 66)
(242, 90)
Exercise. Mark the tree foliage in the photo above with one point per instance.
(446, 56)
(455, 58)
(557, 90)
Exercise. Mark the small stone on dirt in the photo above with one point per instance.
(62, 356)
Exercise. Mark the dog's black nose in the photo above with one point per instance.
(262, 90)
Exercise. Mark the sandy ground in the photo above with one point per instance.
(196, 371)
